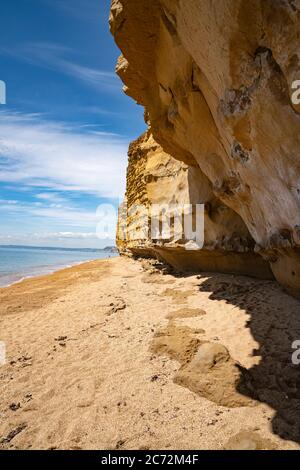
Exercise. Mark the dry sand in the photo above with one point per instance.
(120, 354)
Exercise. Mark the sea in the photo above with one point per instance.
(22, 262)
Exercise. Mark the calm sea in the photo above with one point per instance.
(17, 263)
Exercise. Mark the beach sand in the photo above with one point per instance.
(122, 354)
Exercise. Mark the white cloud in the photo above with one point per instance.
(8, 201)
(67, 216)
(53, 57)
(90, 10)
(52, 155)
(101, 111)
(99, 223)
(58, 239)
(76, 235)
(53, 235)
(50, 197)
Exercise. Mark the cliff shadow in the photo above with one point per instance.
(275, 324)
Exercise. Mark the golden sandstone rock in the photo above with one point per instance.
(216, 80)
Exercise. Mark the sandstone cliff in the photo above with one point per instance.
(216, 81)
(156, 178)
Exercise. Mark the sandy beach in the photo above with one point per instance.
(123, 354)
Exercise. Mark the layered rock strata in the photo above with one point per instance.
(156, 179)
(216, 80)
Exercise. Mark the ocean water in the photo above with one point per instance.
(17, 263)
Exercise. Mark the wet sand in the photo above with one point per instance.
(122, 354)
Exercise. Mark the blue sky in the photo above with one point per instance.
(66, 125)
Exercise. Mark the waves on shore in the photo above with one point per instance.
(19, 263)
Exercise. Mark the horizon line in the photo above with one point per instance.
(59, 247)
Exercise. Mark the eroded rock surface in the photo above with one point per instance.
(155, 178)
(216, 80)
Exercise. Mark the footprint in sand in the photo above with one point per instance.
(82, 392)
(207, 369)
(186, 313)
(12, 434)
(116, 306)
(213, 374)
(249, 440)
(178, 296)
(156, 278)
(178, 342)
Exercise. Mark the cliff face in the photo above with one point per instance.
(156, 180)
(216, 80)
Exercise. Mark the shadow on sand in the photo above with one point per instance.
(274, 323)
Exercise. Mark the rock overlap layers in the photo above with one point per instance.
(216, 80)
(154, 178)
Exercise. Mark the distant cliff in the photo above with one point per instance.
(216, 80)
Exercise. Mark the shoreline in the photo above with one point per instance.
(103, 356)
(51, 270)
